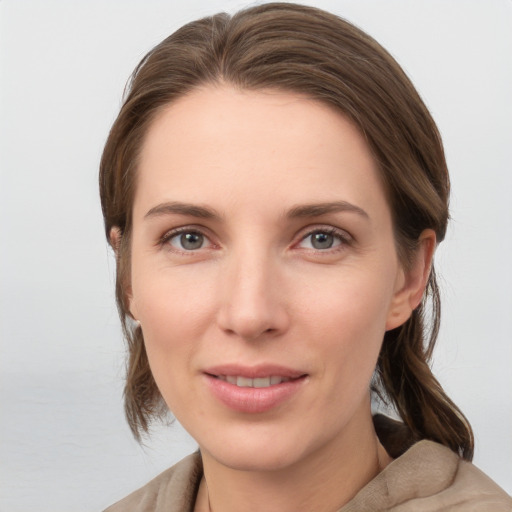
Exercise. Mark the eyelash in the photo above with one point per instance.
(341, 236)
(166, 239)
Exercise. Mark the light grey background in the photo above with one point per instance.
(64, 445)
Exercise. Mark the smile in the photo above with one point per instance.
(254, 390)
(259, 382)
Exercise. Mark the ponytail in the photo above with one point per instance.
(407, 381)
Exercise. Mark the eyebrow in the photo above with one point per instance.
(176, 207)
(300, 211)
(319, 209)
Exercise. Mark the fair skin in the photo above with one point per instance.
(262, 246)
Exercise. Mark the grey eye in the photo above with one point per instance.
(322, 240)
(188, 241)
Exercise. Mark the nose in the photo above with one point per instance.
(253, 300)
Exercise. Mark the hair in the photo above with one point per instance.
(301, 49)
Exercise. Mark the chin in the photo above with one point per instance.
(255, 459)
(261, 448)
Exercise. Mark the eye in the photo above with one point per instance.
(321, 240)
(188, 241)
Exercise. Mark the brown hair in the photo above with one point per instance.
(306, 50)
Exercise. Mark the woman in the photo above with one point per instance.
(274, 190)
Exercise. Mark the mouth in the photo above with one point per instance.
(254, 389)
(258, 382)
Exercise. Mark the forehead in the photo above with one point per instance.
(221, 145)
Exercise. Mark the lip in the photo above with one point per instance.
(249, 399)
(254, 372)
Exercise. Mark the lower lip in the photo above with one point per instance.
(253, 400)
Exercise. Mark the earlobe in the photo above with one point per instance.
(133, 311)
(412, 282)
(115, 239)
(115, 243)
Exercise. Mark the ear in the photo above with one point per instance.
(412, 281)
(115, 243)
(115, 239)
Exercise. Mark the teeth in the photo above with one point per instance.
(243, 382)
(263, 382)
(277, 380)
(259, 382)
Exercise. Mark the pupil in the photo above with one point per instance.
(191, 241)
(322, 241)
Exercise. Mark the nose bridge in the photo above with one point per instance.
(252, 303)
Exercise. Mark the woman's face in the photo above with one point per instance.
(264, 273)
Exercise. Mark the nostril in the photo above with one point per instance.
(250, 331)
(251, 311)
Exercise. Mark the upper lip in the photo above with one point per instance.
(254, 372)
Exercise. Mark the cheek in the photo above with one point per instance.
(347, 321)
(175, 312)
(166, 297)
(350, 301)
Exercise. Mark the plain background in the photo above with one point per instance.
(64, 445)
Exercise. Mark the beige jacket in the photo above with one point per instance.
(426, 478)
(423, 477)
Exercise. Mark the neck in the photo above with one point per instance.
(323, 481)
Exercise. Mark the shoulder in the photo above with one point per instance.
(431, 478)
(444, 481)
(173, 490)
(427, 476)
(474, 490)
